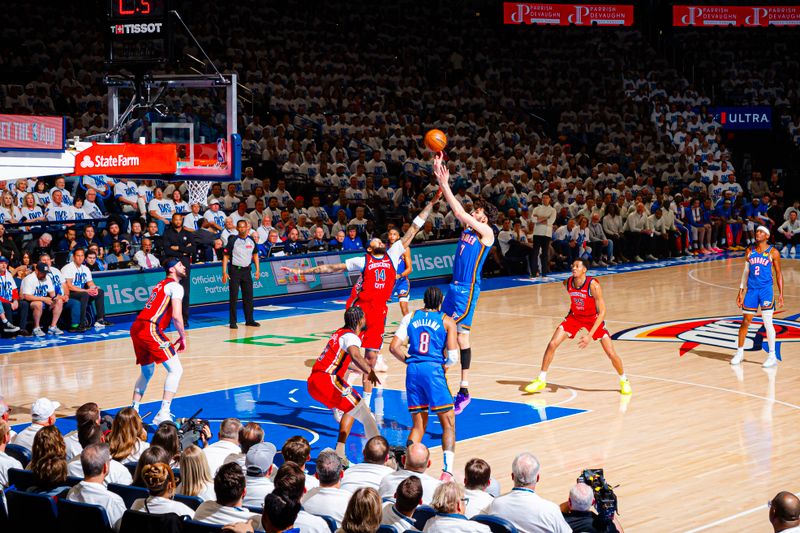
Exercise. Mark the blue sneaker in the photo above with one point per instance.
(461, 402)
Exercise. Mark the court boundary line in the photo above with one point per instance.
(730, 518)
(693, 277)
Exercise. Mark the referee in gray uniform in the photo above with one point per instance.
(241, 252)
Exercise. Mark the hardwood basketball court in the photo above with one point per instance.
(697, 446)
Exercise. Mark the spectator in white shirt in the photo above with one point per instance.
(89, 434)
(477, 476)
(78, 278)
(160, 481)
(450, 504)
(229, 486)
(96, 464)
(259, 469)
(145, 258)
(400, 515)
(127, 438)
(363, 512)
(43, 414)
(290, 482)
(196, 479)
(228, 444)
(297, 450)
(371, 472)
(529, 512)
(87, 414)
(6, 461)
(415, 462)
(328, 499)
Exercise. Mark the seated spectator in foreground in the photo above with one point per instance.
(297, 450)
(363, 512)
(477, 476)
(522, 506)
(227, 445)
(160, 481)
(290, 481)
(128, 438)
(229, 486)
(166, 436)
(43, 414)
(196, 479)
(337, 243)
(371, 472)
(259, 468)
(87, 414)
(95, 461)
(90, 434)
(784, 512)
(279, 515)
(415, 462)
(49, 463)
(6, 461)
(450, 505)
(292, 244)
(328, 499)
(400, 515)
(318, 242)
(117, 254)
(152, 455)
(578, 512)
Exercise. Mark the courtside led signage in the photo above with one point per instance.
(30, 132)
(745, 16)
(567, 14)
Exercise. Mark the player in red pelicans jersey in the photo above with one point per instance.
(327, 382)
(150, 343)
(587, 311)
(378, 273)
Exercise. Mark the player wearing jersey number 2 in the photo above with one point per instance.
(587, 311)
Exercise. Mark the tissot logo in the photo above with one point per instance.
(721, 332)
(124, 29)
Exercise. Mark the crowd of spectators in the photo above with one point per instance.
(242, 481)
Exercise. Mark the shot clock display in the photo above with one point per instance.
(138, 32)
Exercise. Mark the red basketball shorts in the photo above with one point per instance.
(332, 391)
(572, 324)
(149, 343)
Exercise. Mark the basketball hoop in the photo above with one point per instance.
(198, 191)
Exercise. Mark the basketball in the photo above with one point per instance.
(435, 140)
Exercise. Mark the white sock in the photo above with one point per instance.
(464, 384)
(623, 377)
(543, 376)
(136, 406)
(740, 351)
(449, 460)
(165, 404)
(367, 397)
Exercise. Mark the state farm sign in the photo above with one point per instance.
(127, 158)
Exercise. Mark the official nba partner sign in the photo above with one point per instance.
(743, 117)
(744, 16)
(127, 158)
(720, 332)
(34, 133)
(568, 14)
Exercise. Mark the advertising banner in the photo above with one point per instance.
(743, 117)
(127, 291)
(744, 16)
(568, 14)
(127, 158)
(30, 132)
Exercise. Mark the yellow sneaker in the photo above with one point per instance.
(537, 385)
(625, 386)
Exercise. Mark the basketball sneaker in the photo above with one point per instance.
(54, 330)
(737, 359)
(38, 332)
(446, 477)
(162, 416)
(625, 386)
(537, 385)
(771, 361)
(460, 403)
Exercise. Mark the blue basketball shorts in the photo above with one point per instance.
(763, 297)
(459, 304)
(402, 289)
(426, 388)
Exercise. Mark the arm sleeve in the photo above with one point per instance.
(349, 339)
(402, 329)
(355, 264)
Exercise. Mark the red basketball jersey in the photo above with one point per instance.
(158, 309)
(334, 359)
(582, 303)
(377, 280)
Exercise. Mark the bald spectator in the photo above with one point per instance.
(371, 472)
(227, 445)
(415, 463)
(145, 258)
(784, 512)
(579, 515)
(529, 512)
(329, 498)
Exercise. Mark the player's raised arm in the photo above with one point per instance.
(319, 269)
(362, 364)
(597, 292)
(776, 261)
(419, 221)
(443, 176)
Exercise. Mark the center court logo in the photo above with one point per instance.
(720, 332)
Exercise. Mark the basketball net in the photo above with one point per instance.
(198, 191)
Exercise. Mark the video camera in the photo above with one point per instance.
(190, 430)
(605, 501)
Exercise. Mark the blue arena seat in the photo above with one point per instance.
(21, 480)
(330, 521)
(254, 509)
(128, 493)
(495, 523)
(192, 502)
(25, 506)
(385, 529)
(191, 526)
(141, 522)
(422, 514)
(23, 455)
(76, 517)
(4, 524)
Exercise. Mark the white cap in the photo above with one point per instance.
(764, 229)
(213, 202)
(43, 409)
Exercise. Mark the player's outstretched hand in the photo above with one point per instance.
(584, 342)
(440, 170)
(373, 378)
(740, 299)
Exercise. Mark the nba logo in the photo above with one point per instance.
(221, 150)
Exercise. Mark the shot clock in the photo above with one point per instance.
(138, 32)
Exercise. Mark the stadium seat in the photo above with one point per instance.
(422, 514)
(495, 523)
(128, 493)
(73, 480)
(385, 529)
(140, 522)
(254, 509)
(4, 525)
(131, 468)
(22, 506)
(192, 526)
(330, 521)
(192, 502)
(75, 517)
(23, 455)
